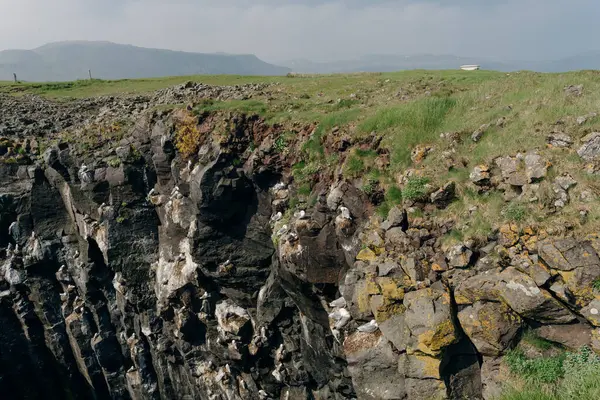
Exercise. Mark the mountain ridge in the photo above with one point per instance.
(71, 60)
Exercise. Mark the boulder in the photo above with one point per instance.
(535, 167)
(573, 336)
(373, 366)
(459, 256)
(443, 196)
(567, 254)
(576, 261)
(430, 389)
(231, 317)
(511, 170)
(429, 320)
(478, 134)
(492, 327)
(574, 90)
(590, 150)
(480, 175)
(394, 329)
(584, 118)
(419, 366)
(559, 139)
(397, 217)
(515, 289)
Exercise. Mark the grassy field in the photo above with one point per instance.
(410, 109)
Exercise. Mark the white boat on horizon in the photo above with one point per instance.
(469, 67)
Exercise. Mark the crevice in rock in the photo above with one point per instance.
(461, 363)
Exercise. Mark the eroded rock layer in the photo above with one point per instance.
(148, 270)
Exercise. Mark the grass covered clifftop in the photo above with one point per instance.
(403, 136)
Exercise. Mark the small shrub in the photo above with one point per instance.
(515, 212)
(280, 144)
(596, 284)
(188, 137)
(415, 188)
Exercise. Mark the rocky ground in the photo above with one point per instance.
(147, 252)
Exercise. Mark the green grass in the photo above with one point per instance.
(535, 370)
(410, 124)
(406, 109)
(571, 376)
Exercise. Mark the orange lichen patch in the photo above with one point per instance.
(509, 235)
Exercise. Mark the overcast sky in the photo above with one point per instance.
(277, 30)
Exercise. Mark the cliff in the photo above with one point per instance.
(179, 245)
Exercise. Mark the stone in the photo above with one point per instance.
(535, 167)
(430, 389)
(574, 90)
(478, 134)
(513, 173)
(584, 118)
(419, 366)
(509, 235)
(387, 268)
(231, 318)
(428, 318)
(560, 140)
(372, 364)
(568, 254)
(394, 329)
(565, 182)
(366, 255)
(518, 291)
(573, 336)
(591, 312)
(397, 217)
(480, 175)
(442, 197)
(412, 269)
(590, 150)
(492, 327)
(494, 375)
(459, 256)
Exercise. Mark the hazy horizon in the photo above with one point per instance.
(316, 30)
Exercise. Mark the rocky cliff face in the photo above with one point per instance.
(143, 269)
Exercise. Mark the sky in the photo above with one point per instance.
(319, 30)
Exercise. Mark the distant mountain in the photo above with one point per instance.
(65, 61)
(389, 63)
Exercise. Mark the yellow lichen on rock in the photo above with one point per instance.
(366, 254)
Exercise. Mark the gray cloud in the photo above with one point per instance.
(315, 29)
